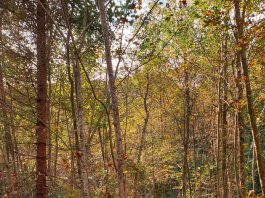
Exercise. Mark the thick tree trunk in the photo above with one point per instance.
(42, 114)
(114, 100)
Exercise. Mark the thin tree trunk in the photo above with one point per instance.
(253, 123)
(240, 129)
(104, 154)
(235, 155)
(73, 110)
(186, 135)
(70, 137)
(194, 124)
(14, 133)
(218, 135)
(253, 170)
(83, 152)
(42, 114)
(114, 100)
(224, 123)
(79, 103)
(57, 136)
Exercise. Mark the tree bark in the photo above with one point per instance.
(239, 95)
(186, 135)
(73, 109)
(218, 134)
(240, 127)
(41, 108)
(114, 100)
(251, 111)
(224, 121)
(82, 151)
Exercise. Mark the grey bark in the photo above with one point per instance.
(114, 100)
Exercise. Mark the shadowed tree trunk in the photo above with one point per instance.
(42, 113)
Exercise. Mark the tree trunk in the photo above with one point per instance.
(82, 151)
(253, 170)
(186, 135)
(73, 109)
(114, 100)
(224, 122)
(251, 111)
(239, 95)
(253, 124)
(218, 135)
(49, 134)
(240, 128)
(14, 133)
(56, 139)
(42, 114)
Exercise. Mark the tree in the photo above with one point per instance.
(240, 20)
(114, 100)
(41, 108)
(132, 102)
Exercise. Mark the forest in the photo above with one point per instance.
(132, 98)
